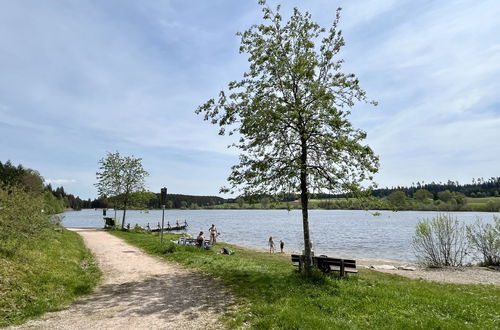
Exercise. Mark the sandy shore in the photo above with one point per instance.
(465, 275)
(139, 291)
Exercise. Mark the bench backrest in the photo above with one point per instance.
(348, 263)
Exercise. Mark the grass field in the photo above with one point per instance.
(273, 295)
(45, 275)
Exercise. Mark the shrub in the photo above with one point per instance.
(485, 239)
(397, 198)
(21, 216)
(440, 242)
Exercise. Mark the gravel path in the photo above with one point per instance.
(139, 292)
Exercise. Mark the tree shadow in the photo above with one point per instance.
(166, 296)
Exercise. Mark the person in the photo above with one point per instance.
(200, 240)
(213, 234)
(282, 245)
(271, 245)
(226, 250)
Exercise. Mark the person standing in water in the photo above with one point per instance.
(271, 245)
(213, 234)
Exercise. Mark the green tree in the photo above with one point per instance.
(119, 177)
(240, 202)
(445, 196)
(422, 195)
(397, 198)
(291, 111)
(264, 202)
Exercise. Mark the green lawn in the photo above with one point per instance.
(45, 275)
(272, 294)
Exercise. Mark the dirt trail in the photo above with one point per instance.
(139, 292)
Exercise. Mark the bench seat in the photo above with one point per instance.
(327, 264)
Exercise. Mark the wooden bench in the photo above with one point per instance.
(326, 264)
(109, 222)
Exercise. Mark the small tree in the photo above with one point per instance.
(397, 198)
(291, 114)
(240, 202)
(445, 196)
(440, 242)
(118, 178)
(422, 195)
(485, 239)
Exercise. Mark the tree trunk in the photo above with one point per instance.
(124, 211)
(304, 199)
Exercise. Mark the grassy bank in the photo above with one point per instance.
(44, 275)
(273, 295)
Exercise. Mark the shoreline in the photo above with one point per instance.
(464, 275)
(285, 209)
(460, 275)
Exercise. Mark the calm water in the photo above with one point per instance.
(340, 233)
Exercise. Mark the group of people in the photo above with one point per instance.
(272, 247)
(200, 240)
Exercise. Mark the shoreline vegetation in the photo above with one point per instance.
(45, 275)
(468, 204)
(43, 267)
(270, 293)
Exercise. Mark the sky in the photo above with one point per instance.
(79, 79)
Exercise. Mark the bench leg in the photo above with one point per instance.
(342, 268)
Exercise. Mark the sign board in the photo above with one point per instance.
(163, 196)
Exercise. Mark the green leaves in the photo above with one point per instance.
(120, 175)
(291, 110)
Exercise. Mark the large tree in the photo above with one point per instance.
(290, 112)
(119, 177)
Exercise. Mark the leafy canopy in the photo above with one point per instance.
(291, 110)
(120, 176)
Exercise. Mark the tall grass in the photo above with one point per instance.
(271, 294)
(44, 274)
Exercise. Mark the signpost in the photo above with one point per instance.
(163, 202)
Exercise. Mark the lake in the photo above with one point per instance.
(339, 233)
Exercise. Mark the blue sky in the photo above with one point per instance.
(80, 78)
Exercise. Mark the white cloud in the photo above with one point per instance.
(82, 78)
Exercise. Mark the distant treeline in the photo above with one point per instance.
(57, 199)
(478, 188)
(178, 201)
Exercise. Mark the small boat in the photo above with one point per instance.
(171, 228)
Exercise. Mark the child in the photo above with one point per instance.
(282, 245)
(271, 245)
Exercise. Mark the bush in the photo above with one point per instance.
(485, 239)
(397, 198)
(22, 216)
(440, 242)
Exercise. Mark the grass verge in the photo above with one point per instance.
(273, 295)
(45, 275)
